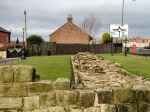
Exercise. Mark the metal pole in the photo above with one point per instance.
(123, 6)
(112, 46)
(122, 23)
(25, 26)
(111, 41)
(125, 47)
(23, 38)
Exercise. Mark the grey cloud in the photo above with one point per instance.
(44, 16)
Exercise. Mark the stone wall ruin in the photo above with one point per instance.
(114, 87)
(97, 85)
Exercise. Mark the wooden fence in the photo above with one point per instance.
(59, 49)
(75, 48)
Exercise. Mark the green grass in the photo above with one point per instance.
(53, 67)
(50, 67)
(137, 65)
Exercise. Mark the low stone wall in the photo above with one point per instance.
(91, 72)
(112, 85)
(20, 91)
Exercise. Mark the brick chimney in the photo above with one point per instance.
(70, 18)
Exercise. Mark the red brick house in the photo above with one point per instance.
(70, 33)
(4, 39)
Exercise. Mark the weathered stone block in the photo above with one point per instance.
(31, 103)
(86, 98)
(121, 108)
(56, 109)
(40, 110)
(147, 95)
(64, 97)
(13, 89)
(126, 108)
(16, 73)
(131, 107)
(48, 99)
(61, 84)
(9, 110)
(140, 95)
(105, 96)
(23, 73)
(124, 96)
(107, 108)
(143, 107)
(6, 74)
(93, 109)
(10, 103)
(38, 87)
(143, 95)
(76, 110)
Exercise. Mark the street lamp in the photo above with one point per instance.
(122, 24)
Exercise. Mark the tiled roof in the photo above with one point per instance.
(4, 30)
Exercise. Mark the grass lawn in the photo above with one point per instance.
(138, 65)
(53, 67)
(50, 67)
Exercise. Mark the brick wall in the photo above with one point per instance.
(70, 34)
(4, 39)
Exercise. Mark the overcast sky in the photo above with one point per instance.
(44, 16)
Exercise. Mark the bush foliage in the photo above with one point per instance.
(106, 38)
(34, 40)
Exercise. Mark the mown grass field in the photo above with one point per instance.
(53, 67)
(50, 67)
